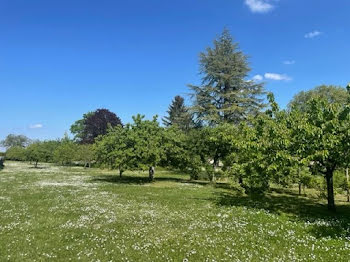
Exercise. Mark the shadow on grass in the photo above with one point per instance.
(302, 209)
(278, 201)
(39, 167)
(135, 179)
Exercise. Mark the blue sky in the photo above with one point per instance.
(60, 59)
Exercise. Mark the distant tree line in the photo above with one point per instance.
(63, 152)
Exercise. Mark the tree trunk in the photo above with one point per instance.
(151, 173)
(215, 162)
(347, 184)
(212, 176)
(215, 166)
(120, 173)
(36, 164)
(299, 181)
(240, 180)
(330, 190)
(1, 162)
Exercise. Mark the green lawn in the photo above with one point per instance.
(63, 214)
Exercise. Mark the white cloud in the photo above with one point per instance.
(313, 34)
(277, 77)
(36, 126)
(258, 78)
(289, 62)
(259, 6)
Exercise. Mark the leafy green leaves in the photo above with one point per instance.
(135, 146)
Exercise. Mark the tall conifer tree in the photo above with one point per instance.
(178, 114)
(225, 95)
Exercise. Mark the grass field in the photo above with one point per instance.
(70, 214)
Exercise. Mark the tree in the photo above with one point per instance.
(213, 145)
(136, 146)
(49, 147)
(85, 154)
(145, 138)
(113, 149)
(333, 94)
(16, 153)
(66, 152)
(35, 153)
(78, 128)
(178, 151)
(322, 137)
(225, 95)
(178, 115)
(15, 140)
(94, 124)
(261, 150)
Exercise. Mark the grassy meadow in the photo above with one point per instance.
(75, 214)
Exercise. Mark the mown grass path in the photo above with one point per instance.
(70, 214)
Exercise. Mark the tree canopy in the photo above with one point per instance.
(178, 115)
(15, 140)
(136, 146)
(225, 94)
(333, 94)
(94, 124)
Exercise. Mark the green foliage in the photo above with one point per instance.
(49, 147)
(136, 146)
(272, 147)
(260, 153)
(175, 149)
(204, 149)
(35, 152)
(178, 115)
(15, 140)
(340, 182)
(225, 95)
(319, 183)
(85, 154)
(16, 153)
(111, 150)
(333, 94)
(306, 180)
(78, 128)
(322, 137)
(40, 151)
(66, 152)
(145, 138)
